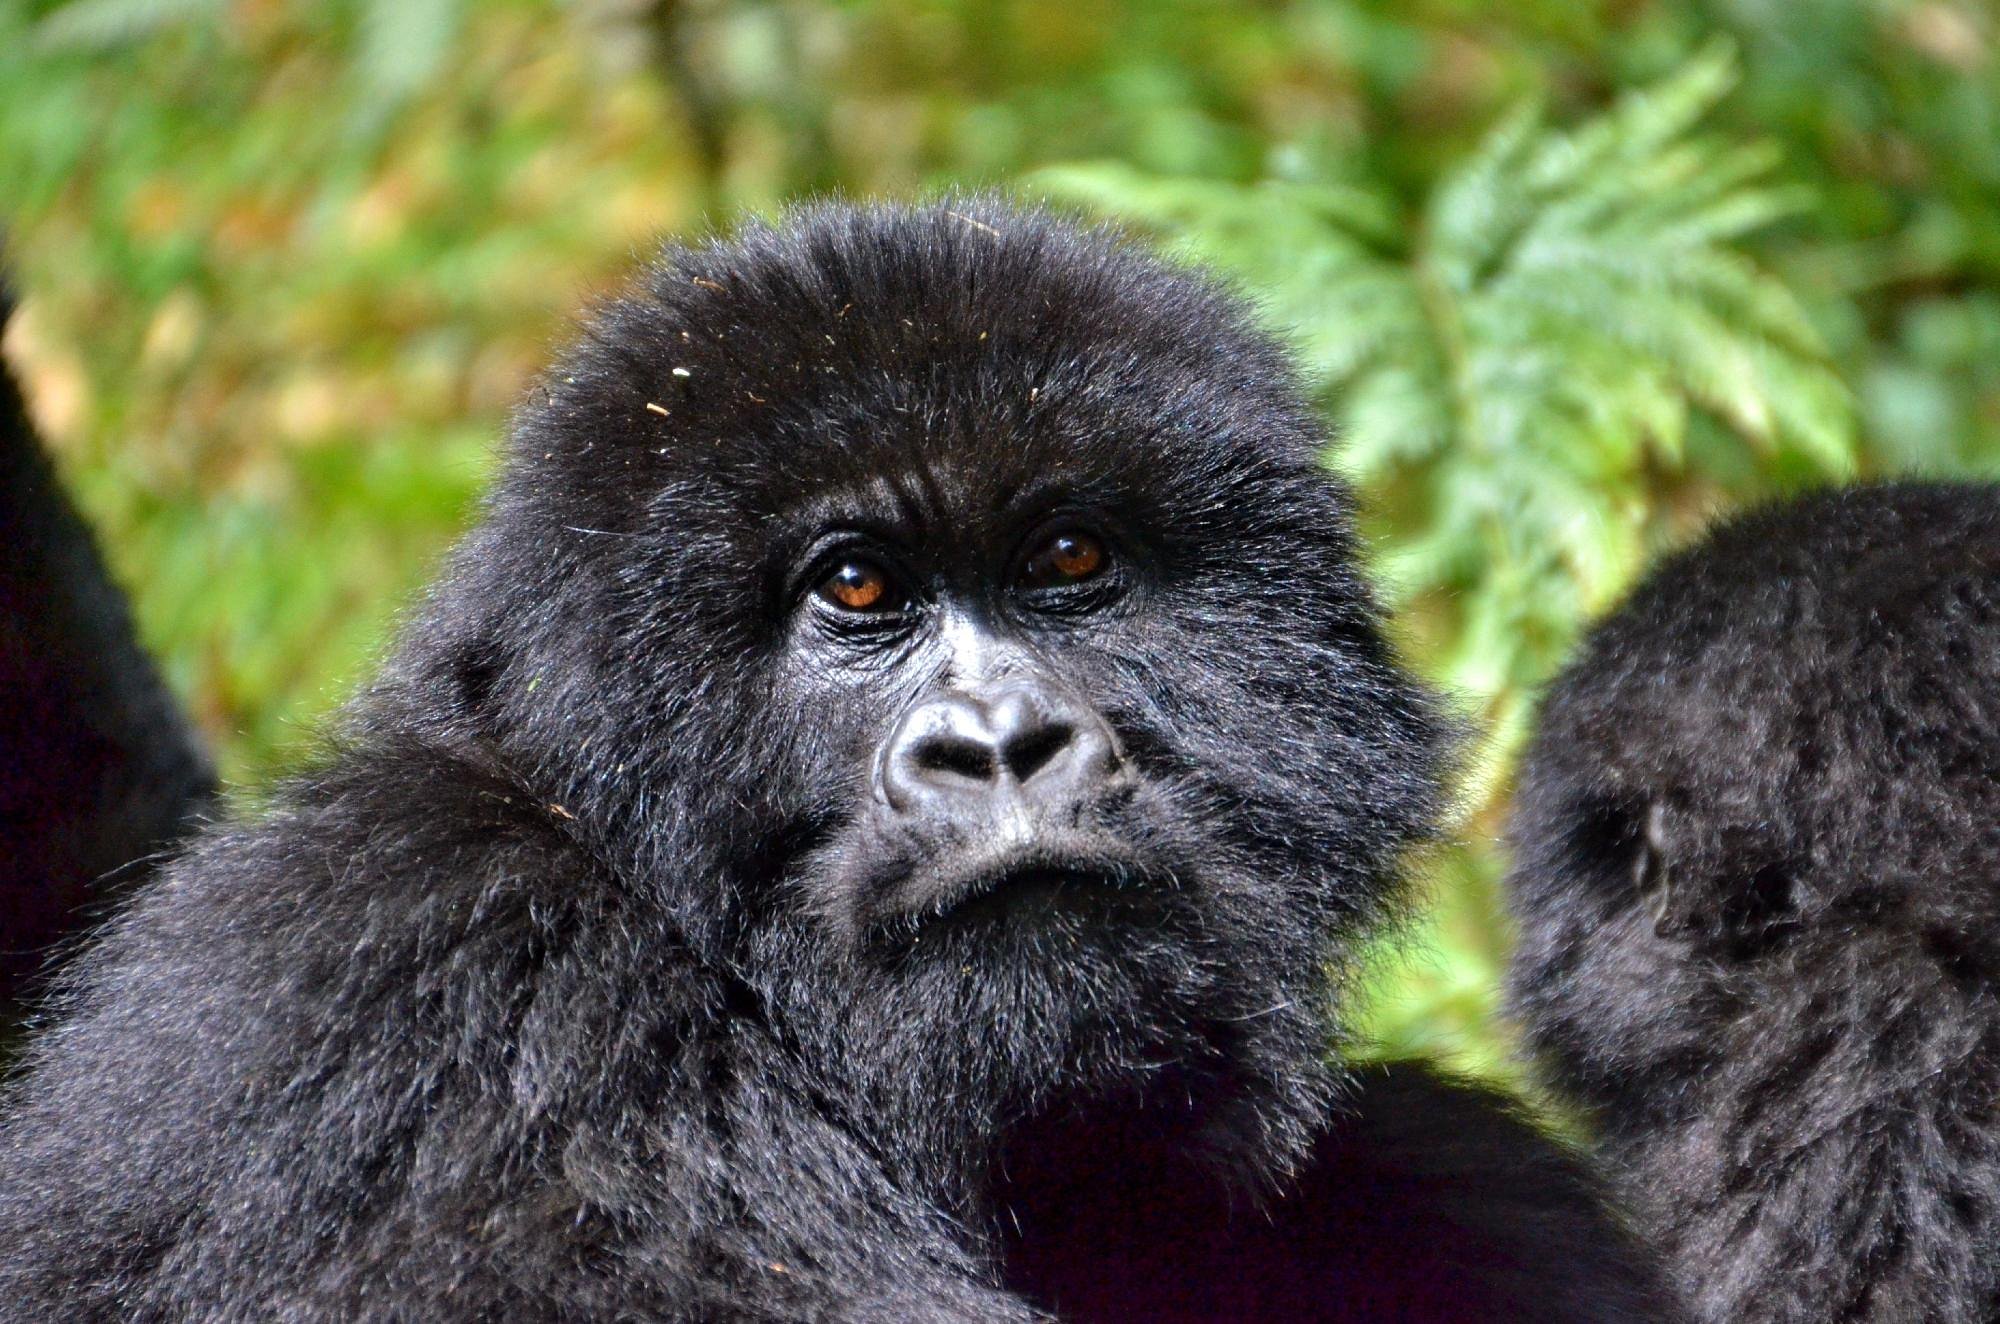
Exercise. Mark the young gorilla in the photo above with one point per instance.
(1760, 923)
(97, 768)
(863, 831)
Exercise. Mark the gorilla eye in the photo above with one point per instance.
(861, 586)
(1069, 557)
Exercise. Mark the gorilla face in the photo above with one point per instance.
(946, 615)
(999, 801)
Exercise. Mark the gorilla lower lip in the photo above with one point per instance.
(1020, 892)
(1039, 885)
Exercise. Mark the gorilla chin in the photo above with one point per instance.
(1022, 924)
(1044, 885)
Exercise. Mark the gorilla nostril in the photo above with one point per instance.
(943, 747)
(960, 757)
(1029, 752)
(952, 754)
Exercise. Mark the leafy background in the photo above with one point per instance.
(1570, 277)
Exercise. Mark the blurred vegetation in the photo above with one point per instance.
(1569, 275)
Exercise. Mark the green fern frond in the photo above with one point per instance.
(1512, 363)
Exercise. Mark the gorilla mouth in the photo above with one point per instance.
(1024, 886)
(1042, 889)
(1018, 878)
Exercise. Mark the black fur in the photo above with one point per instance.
(550, 995)
(97, 768)
(1756, 880)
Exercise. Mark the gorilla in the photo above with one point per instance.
(870, 827)
(97, 768)
(1758, 843)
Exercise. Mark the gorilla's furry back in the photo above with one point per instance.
(1760, 922)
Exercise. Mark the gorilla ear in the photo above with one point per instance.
(1651, 875)
(1669, 880)
(1732, 896)
(1649, 866)
(1618, 840)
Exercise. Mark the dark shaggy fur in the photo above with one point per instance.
(97, 769)
(551, 995)
(1758, 881)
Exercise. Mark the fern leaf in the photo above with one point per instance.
(1547, 326)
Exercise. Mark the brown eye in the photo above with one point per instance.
(858, 585)
(1066, 558)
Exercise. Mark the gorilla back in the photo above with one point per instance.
(865, 829)
(1760, 927)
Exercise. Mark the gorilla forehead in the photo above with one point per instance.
(966, 351)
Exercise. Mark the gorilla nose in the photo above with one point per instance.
(966, 752)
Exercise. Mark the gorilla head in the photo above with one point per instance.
(1755, 878)
(945, 615)
(1789, 731)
